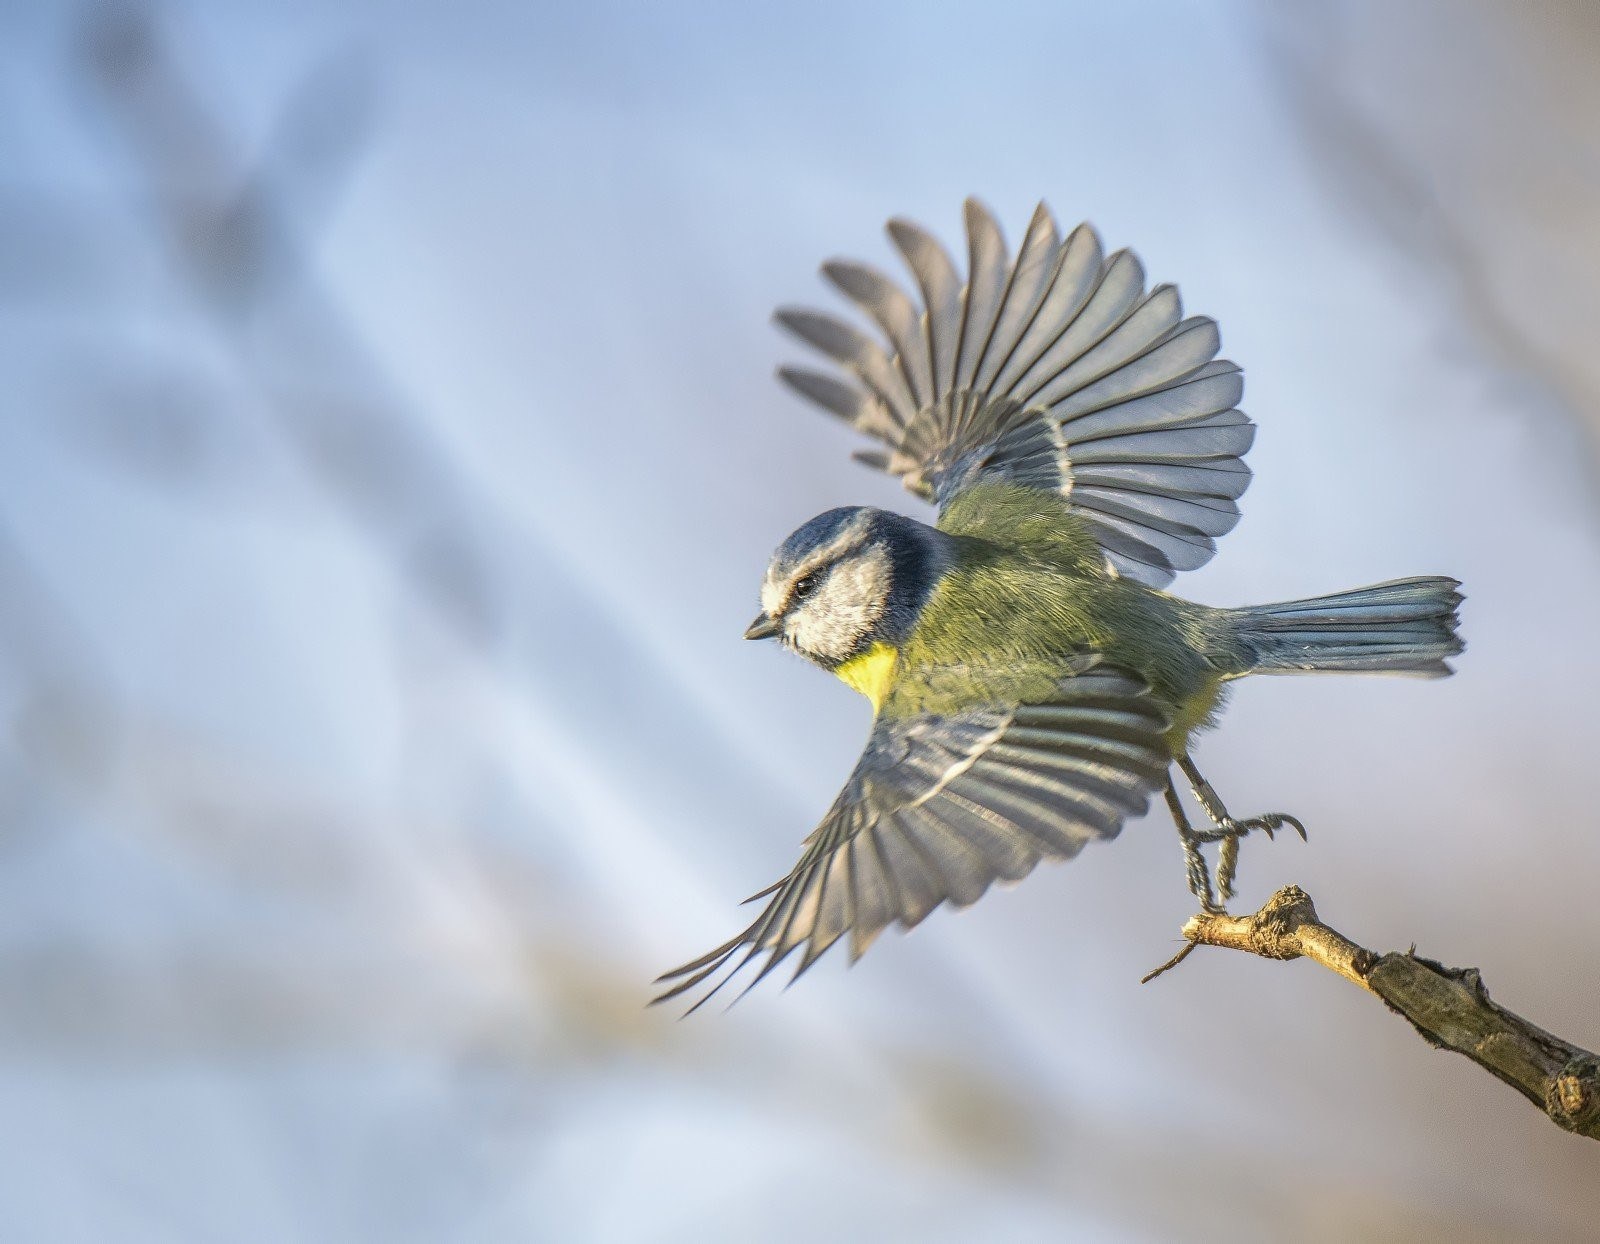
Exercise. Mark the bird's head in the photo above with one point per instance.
(848, 579)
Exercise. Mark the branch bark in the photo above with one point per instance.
(1449, 1007)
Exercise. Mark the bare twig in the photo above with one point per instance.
(1449, 1006)
(1188, 949)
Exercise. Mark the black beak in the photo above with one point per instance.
(762, 628)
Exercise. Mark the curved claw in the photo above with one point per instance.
(1268, 823)
(1277, 820)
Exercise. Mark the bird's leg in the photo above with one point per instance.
(1228, 830)
(1194, 860)
(1227, 865)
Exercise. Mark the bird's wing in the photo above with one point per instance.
(941, 806)
(1056, 371)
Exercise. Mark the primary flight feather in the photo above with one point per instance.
(1032, 684)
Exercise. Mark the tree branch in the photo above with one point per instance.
(1449, 1006)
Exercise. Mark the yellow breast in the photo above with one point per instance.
(871, 672)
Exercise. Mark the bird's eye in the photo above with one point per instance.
(804, 587)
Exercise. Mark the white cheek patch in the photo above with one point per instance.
(832, 623)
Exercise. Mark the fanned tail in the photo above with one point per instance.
(1407, 626)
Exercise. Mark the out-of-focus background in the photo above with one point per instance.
(389, 457)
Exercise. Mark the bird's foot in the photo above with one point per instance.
(1233, 833)
(1268, 823)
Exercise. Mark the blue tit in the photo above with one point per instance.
(1033, 685)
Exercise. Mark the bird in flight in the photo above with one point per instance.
(1032, 682)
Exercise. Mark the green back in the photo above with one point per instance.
(1028, 598)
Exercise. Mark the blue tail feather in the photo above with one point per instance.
(1407, 626)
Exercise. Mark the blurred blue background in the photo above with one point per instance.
(390, 455)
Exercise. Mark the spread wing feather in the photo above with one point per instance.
(1056, 371)
(942, 806)
(942, 296)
